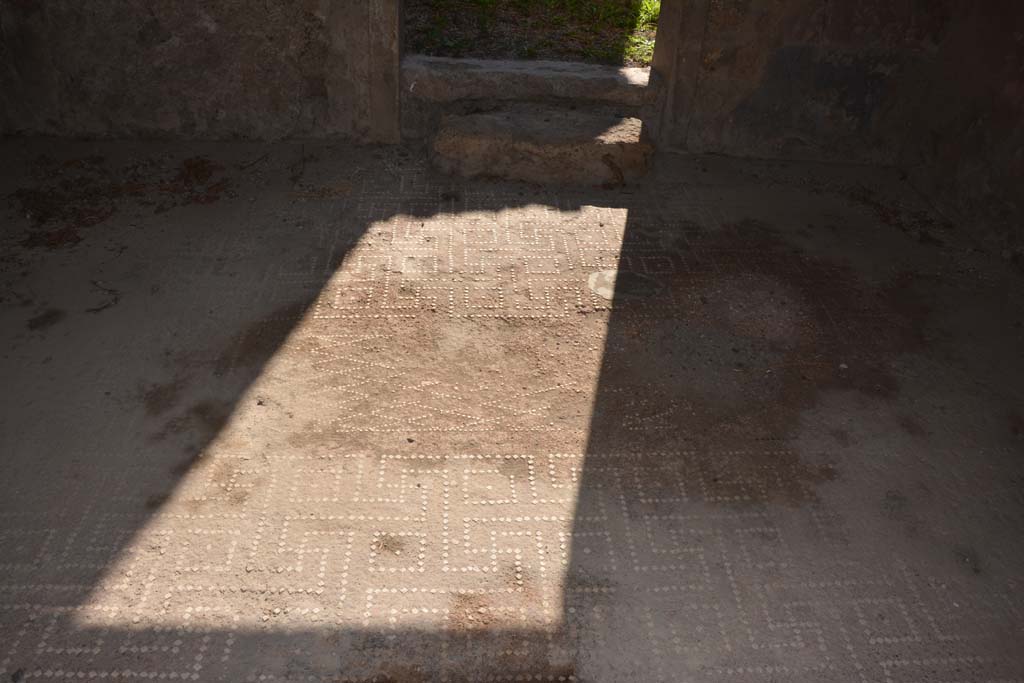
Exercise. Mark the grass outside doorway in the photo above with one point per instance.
(616, 32)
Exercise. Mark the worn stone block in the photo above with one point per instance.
(543, 144)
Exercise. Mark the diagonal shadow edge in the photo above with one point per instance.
(224, 377)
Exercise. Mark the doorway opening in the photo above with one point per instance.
(609, 32)
(535, 90)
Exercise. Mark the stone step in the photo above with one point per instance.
(433, 87)
(544, 144)
(442, 79)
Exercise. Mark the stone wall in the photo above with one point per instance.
(212, 69)
(934, 86)
(797, 78)
(957, 119)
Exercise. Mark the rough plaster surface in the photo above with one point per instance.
(960, 130)
(214, 70)
(932, 87)
(309, 413)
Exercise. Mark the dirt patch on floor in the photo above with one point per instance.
(256, 343)
(920, 224)
(739, 341)
(470, 611)
(157, 399)
(388, 544)
(194, 429)
(758, 302)
(72, 196)
(46, 319)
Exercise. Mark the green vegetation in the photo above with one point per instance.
(601, 31)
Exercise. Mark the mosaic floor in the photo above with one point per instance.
(299, 413)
